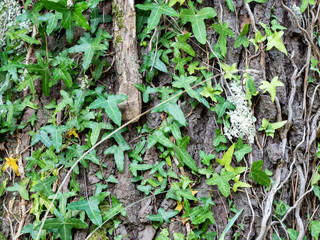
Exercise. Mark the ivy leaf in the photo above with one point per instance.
(28, 82)
(162, 216)
(173, 2)
(229, 71)
(250, 87)
(140, 148)
(242, 150)
(45, 186)
(222, 106)
(199, 215)
(56, 135)
(226, 161)
(65, 225)
(219, 138)
(305, 3)
(158, 167)
(114, 210)
(118, 152)
(12, 163)
(271, 127)
(205, 159)
(62, 74)
(222, 181)
(173, 109)
(110, 105)
(89, 46)
(242, 39)
(258, 175)
(185, 83)
(293, 234)
(156, 13)
(145, 189)
(223, 30)
(67, 100)
(274, 40)
(271, 87)
(159, 137)
(230, 5)
(180, 62)
(43, 69)
(181, 44)
(69, 15)
(91, 207)
(43, 137)
(183, 155)
(238, 183)
(135, 167)
(21, 188)
(315, 229)
(196, 18)
(52, 21)
(146, 91)
(95, 130)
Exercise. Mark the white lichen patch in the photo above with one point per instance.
(241, 119)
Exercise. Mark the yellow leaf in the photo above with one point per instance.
(11, 162)
(73, 132)
(179, 206)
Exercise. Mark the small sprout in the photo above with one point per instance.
(11, 162)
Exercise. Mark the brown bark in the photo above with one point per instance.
(126, 57)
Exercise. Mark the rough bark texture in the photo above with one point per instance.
(289, 154)
(126, 56)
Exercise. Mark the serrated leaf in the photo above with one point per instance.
(196, 18)
(183, 155)
(222, 181)
(110, 105)
(271, 87)
(162, 216)
(258, 175)
(156, 12)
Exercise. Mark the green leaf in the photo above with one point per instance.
(159, 137)
(91, 207)
(315, 229)
(250, 88)
(64, 226)
(3, 186)
(181, 44)
(222, 181)
(185, 83)
(226, 161)
(258, 175)
(43, 137)
(64, 75)
(271, 87)
(21, 188)
(229, 225)
(56, 135)
(95, 130)
(43, 69)
(230, 5)
(146, 91)
(229, 71)
(52, 21)
(258, 1)
(183, 155)
(173, 109)
(156, 13)
(114, 210)
(28, 82)
(162, 216)
(242, 39)
(205, 159)
(67, 100)
(118, 152)
(305, 3)
(173, 2)
(110, 105)
(219, 138)
(242, 150)
(199, 215)
(222, 106)
(45, 186)
(238, 183)
(145, 189)
(196, 18)
(135, 167)
(293, 234)
(89, 46)
(223, 30)
(164, 235)
(275, 41)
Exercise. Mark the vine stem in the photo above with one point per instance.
(103, 140)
